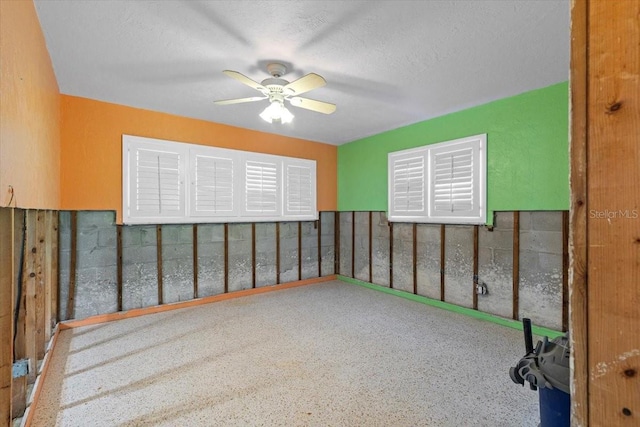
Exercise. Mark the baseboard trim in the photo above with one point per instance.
(537, 330)
(136, 312)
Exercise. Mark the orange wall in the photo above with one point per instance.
(91, 133)
(29, 111)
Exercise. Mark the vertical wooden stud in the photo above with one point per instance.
(19, 385)
(515, 287)
(253, 254)
(7, 299)
(195, 260)
(299, 250)
(277, 253)
(48, 269)
(336, 241)
(55, 269)
(353, 244)
(39, 261)
(391, 255)
(73, 259)
(565, 271)
(319, 222)
(226, 257)
(415, 258)
(119, 264)
(30, 288)
(370, 247)
(159, 258)
(442, 260)
(475, 267)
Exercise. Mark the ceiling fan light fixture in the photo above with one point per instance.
(276, 111)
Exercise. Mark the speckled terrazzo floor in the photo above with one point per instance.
(330, 354)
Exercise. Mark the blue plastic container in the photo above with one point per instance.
(555, 407)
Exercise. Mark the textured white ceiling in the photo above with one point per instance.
(387, 63)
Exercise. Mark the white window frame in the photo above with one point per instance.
(189, 207)
(412, 190)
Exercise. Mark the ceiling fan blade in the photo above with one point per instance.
(313, 105)
(246, 80)
(305, 84)
(239, 100)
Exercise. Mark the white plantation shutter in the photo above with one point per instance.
(441, 183)
(408, 185)
(261, 188)
(452, 181)
(300, 188)
(156, 184)
(212, 190)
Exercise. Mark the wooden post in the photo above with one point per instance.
(226, 257)
(7, 301)
(578, 218)
(19, 385)
(613, 212)
(565, 271)
(515, 284)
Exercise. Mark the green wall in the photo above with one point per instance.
(527, 153)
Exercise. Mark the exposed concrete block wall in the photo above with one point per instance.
(139, 266)
(541, 267)
(380, 248)
(327, 243)
(495, 265)
(540, 260)
(428, 260)
(97, 257)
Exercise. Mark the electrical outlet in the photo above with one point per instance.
(481, 288)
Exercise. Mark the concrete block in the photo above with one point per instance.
(403, 257)
(177, 233)
(541, 241)
(540, 293)
(239, 232)
(240, 271)
(495, 269)
(177, 279)
(139, 285)
(428, 260)
(211, 273)
(93, 220)
(288, 230)
(265, 231)
(148, 235)
(64, 228)
(458, 268)
(96, 292)
(346, 232)
(328, 223)
(180, 251)
(328, 260)
(97, 257)
(526, 222)
(209, 249)
(210, 233)
(240, 247)
(108, 237)
(87, 239)
(131, 236)
(266, 266)
(547, 220)
(503, 220)
(137, 255)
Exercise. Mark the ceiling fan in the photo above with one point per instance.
(278, 90)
